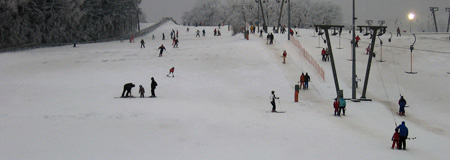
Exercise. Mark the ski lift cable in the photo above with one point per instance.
(387, 96)
(396, 75)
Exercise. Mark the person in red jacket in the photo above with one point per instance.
(336, 106)
(324, 53)
(395, 139)
(171, 72)
(357, 40)
(302, 81)
(284, 56)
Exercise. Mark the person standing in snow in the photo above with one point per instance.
(395, 139)
(203, 32)
(141, 91)
(171, 72)
(153, 87)
(336, 106)
(273, 97)
(398, 32)
(271, 38)
(324, 53)
(127, 88)
(198, 33)
(163, 36)
(307, 79)
(402, 104)
(302, 81)
(175, 41)
(284, 56)
(403, 135)
(142, 43)
(342, 105)
(357, 40)
(161, 49)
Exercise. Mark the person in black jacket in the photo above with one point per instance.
(153, 87)
(127, 88)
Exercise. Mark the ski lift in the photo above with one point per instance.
(334, 31)
(319, 31)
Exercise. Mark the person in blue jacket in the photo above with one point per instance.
(402, 104)
(403, 135)
(342, 105)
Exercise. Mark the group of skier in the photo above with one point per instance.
(126, 93)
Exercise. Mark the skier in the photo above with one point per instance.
(215, 32)
(336, 106)
(198, 33)
(324, 53)
(403, 135)
(153, 37)
(163, 36)
(402, 104)
(218, 33)
(302, 81)
(307, 79)
(142, 43)
(342, 105)
(175, 45)
(356, 81)
(284, 56)
(271, 38)
(260, 33)
(171, 72)
(127, 88)
(204, 33)
(398, 32)
(273, 97)
(141, 91)
(161, 48)
(153, 87)
(368, 49)
(395, 139)
(357, 40)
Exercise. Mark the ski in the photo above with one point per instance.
(276, 112)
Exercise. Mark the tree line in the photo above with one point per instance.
(63, 21)
(304, 13)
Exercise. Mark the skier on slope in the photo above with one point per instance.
(171, 72)
(336, 106)
(273, 97)
(307, 79)
(142, 43)
(198, 33)
(127, 88)
(357, 40)
(163, 36)
(302, 81)
(161, 49)
(175, 41)
(141, 91)
(284, 56)
(403, 135)
(153, 87)
(342, 105)
(395, 139)
(402, 104)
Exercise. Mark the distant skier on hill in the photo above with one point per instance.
(357, 40)
(302, 81)
(284, 56)
(127, 88)
(342, 105)
(153, 87)
(402, 104)
(142, 43)
(336, 106)
(307, 79)
(161, 49)
(163, 36)
(198, 33)
(141, 91)
(273, 97)
(171, 72)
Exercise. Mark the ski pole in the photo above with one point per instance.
(279, 103)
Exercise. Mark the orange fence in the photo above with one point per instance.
(309, 58)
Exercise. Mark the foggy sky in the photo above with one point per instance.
(388, 10)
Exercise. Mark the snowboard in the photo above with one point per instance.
(400, 114)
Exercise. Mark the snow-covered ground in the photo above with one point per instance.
(58, 103)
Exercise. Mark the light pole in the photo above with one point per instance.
(411, 16)
(448, 24)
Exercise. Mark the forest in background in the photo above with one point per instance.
(63, 21)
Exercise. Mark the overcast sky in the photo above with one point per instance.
(389, 10)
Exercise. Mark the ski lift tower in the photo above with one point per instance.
(374, 30)
(434, 9)
(262, 13)
(325, 28)
(448, 24)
